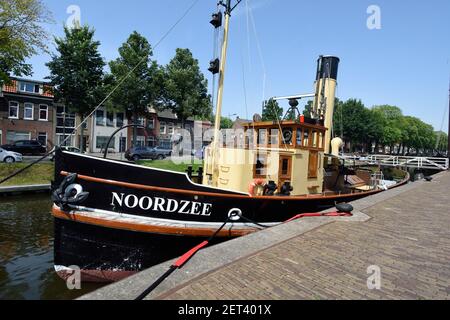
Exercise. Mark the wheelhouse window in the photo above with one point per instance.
(120, 120)
(288, 136)
(273, 137)
(43, 112)
(100, 118)
(28, 111)
(110, 119)
(299, 137)
(13, 110)
(306, 138)
(262, 137)
(261, 165)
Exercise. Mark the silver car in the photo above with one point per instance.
(10, 156)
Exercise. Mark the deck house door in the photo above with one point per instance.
(285, 170)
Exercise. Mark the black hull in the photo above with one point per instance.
(138, 217)
(108, 255)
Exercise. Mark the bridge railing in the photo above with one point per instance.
(410, 162)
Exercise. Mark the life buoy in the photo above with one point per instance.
(254, 184)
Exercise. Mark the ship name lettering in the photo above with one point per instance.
(157, 204)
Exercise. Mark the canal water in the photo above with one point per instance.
(26, 251)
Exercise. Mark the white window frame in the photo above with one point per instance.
(46, 112)
(171, 128)
(46, 137)
(141, 140)
(25, 110)
(103, 118)
(9, 110)
(162, 125)
(141, 121)
(30, 83)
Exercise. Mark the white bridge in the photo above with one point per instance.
(403, 161)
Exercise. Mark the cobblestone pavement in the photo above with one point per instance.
(408, 238)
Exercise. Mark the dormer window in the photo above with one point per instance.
(29, 87)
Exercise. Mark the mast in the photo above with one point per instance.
(223, 59)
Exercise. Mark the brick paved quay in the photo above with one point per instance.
(406, 232)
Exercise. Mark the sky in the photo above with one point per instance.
(274, 45)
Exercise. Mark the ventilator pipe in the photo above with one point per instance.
(336, 145)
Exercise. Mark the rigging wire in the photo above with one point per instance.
(106, 98)
(263, 65)
(121, 81)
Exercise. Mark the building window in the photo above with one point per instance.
(171, 129)
(13, 110)
(13, 136)
(100, 118)
(43, 112)
(102, 142)
(262, 137)
(162, 128)
(151, 142)
(120, 119)
(110, 119)
(42, 138)
(151, 124)
(140, 141)
(141, 121)
(29, 87)
(60, 138)
(28, 111)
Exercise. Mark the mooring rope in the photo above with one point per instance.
(183, 260)
(188, 255)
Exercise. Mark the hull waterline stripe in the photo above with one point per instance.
(85, 217)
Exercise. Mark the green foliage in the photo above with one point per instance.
(226, 123)
(21, 35)
(272, 111)
(185, 87)
(143, 77)
(77, 71)
(385, 125)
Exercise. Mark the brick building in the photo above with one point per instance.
(26, 112)
(160, 128)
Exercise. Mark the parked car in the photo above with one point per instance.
(9, 156)
(26, 147)
(141, 153)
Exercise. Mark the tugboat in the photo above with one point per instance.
(113, 219)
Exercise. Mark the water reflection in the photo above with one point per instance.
(26, 251)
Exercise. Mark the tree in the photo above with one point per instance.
(185, 88)
(351, 118)
(77, 72)
(392, 122)
(142, 87)
(21, 35)
(272, 111)
(226, 123)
